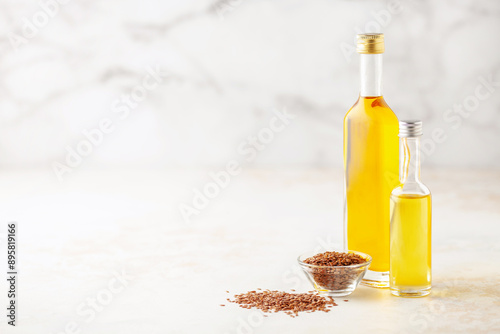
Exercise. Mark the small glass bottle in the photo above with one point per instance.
(410, 246)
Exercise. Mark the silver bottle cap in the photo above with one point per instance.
(411, 128)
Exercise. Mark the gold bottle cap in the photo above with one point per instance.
(370, 43)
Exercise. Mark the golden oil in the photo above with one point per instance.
(371, 172)
(411, 242)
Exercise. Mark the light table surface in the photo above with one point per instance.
(109, 252)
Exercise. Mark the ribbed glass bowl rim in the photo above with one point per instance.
(365, 256)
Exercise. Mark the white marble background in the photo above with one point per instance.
(226, 66)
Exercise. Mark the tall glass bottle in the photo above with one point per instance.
(410, 220)
(370, 164)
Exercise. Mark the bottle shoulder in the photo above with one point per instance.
(411, 189)
(372, 107)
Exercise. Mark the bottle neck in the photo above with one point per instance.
(409, 159)
(371, 75)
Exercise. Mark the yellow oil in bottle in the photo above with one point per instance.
(371, 163)
(410, 243)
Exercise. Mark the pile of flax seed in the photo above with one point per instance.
(278, 301)
(334, 271)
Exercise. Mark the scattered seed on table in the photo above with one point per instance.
(290, 303)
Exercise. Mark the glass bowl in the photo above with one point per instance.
(335, 281)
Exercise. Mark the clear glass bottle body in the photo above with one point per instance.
(370, 171)
(411, 215)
